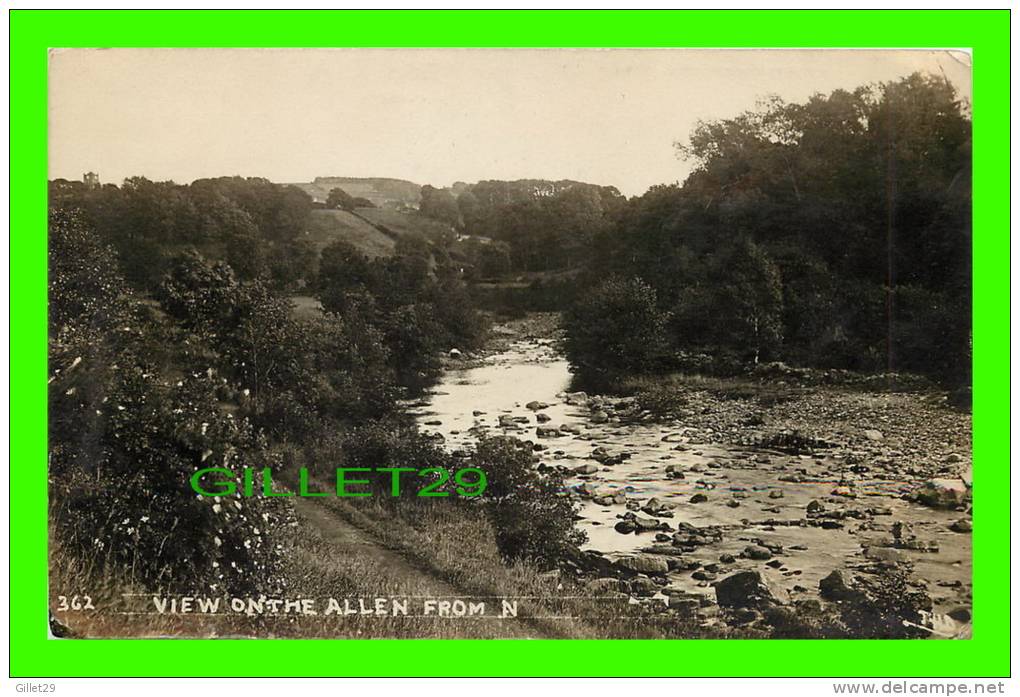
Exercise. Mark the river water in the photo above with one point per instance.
(469, 401)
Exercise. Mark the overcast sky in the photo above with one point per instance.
(431, 116)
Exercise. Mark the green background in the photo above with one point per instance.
(33, 32)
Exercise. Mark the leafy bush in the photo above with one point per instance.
(454, 310)
(127, 498)
(662, 400)
(532, 518)
(84, 282)
(338, 198)
(390, 444)
(615, 328)
(199, 294)
(125, 440)
(415, 312)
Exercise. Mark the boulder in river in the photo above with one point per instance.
(576, 398)
(648, 523)
(656, 506)
(885, 554)
(643, 564)
(757, 552)
(943, 493)
(548, 432)
(625, 527)
(960, 614)
(643, 587)
(536, 406)
(962, 525)
(744, 589)
(835, 587)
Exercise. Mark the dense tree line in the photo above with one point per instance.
(252, 224)
(832, 233)
(543, 225)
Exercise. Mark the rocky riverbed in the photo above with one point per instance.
(791, 490)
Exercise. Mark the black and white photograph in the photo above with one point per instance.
(509, 343)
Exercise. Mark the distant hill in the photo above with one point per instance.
(382, 191)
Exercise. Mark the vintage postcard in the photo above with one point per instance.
(465, 343)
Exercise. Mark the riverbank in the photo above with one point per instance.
(539, 328)
(789, 485)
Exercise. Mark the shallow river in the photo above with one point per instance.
(531, 370)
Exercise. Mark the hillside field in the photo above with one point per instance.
(326, 226)
(405, 223)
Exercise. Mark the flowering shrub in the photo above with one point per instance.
(125, 438)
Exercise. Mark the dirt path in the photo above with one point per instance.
(402, 577)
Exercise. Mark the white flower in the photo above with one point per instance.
(217, 541)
